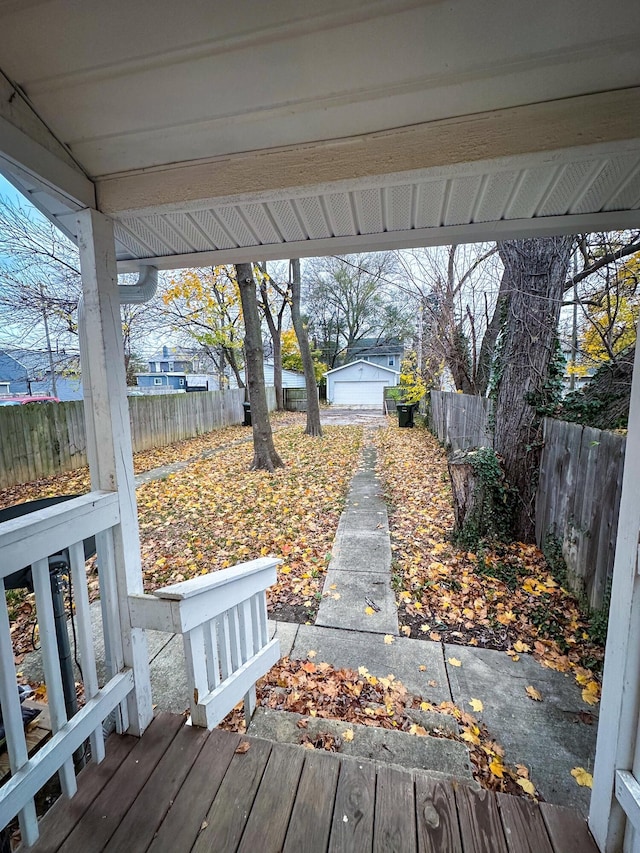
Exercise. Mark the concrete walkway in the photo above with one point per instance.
(357, 592)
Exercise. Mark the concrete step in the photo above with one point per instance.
(441, 757)
(418, 664)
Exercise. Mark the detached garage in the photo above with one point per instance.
(360, 383)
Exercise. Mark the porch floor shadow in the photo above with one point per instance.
(182, 789)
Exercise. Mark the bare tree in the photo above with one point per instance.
(265, 456)
(275, 298)
(313, 406)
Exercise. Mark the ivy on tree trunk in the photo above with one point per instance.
(265, 456)
(535, 273)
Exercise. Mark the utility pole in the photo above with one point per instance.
(52, 371)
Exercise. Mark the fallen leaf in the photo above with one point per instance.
(523, 771)
(435, 636)
(388, 639)
(348, 735)
(302, 724)
(406, 630)
(534, 694)
(242, 747)
(425, 628)
(422, 668)
(527, 786)
(582, 777)
(204, 825)
(477, 705)
(311, 654)
(497, 768)
(369, 610)
(455, 662)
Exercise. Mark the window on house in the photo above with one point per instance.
(182, 381)
(391, 360)
(157, 381)
(170, 365)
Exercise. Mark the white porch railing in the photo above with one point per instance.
(223, 619)
(29, 540)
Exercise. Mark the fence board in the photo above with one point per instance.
(38, 441)
(579, 486)
(461, 420)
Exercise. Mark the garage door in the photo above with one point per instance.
(358, 393)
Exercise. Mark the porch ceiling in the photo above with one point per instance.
(220, 132)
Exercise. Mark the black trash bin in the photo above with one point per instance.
(247, 414)
(405, 414)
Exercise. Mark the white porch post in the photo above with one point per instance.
(109, 439)
(618, 743)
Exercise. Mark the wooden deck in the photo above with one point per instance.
(37, 732)
(184, 789)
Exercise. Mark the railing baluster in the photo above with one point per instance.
(234, 636)
(114, 653)
(226, 666)
(211, 652)
(194, 653)
(246, 630)
(12, 718)
(85, 639)
(51, 664)
(259, 638)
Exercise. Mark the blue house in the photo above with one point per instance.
(385, 353)
(171, 360)
(29, 372)
(167, 381)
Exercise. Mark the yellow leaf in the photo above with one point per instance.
(369, 611)
(497, 768)
(477, 705)
(520, 647)
(348, 735)
(388, 639)
(527, 786)
(422, 668)
(582, 777)
(336, 596)
(534, 694)
(311, 654)
(591, 693)
(470, 737)
(425, 628)
(455, 662)
(417, 730)
(425, 706)
(406, 630)
(363, 671)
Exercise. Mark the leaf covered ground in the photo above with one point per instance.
(216, 513)
(503, 597)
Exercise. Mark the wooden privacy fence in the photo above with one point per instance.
(578, 501)
(461, 420)
(578, 495)
(40, 440)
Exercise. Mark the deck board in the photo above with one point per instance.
(269, 818)
(183, 789)
(436, 816)
(225, 821)
(310, 823)
(352, 827)
(96, 826)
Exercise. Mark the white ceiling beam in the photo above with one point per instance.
(535, 128)
(27, 144)
(506, 229)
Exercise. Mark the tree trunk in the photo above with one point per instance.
(265, 456)
(276, 343)
(313, 405)
(491, 336)
(536, 270)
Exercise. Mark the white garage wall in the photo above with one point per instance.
(360, 383)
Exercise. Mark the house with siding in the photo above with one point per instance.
(386, 353)
(24, 371)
